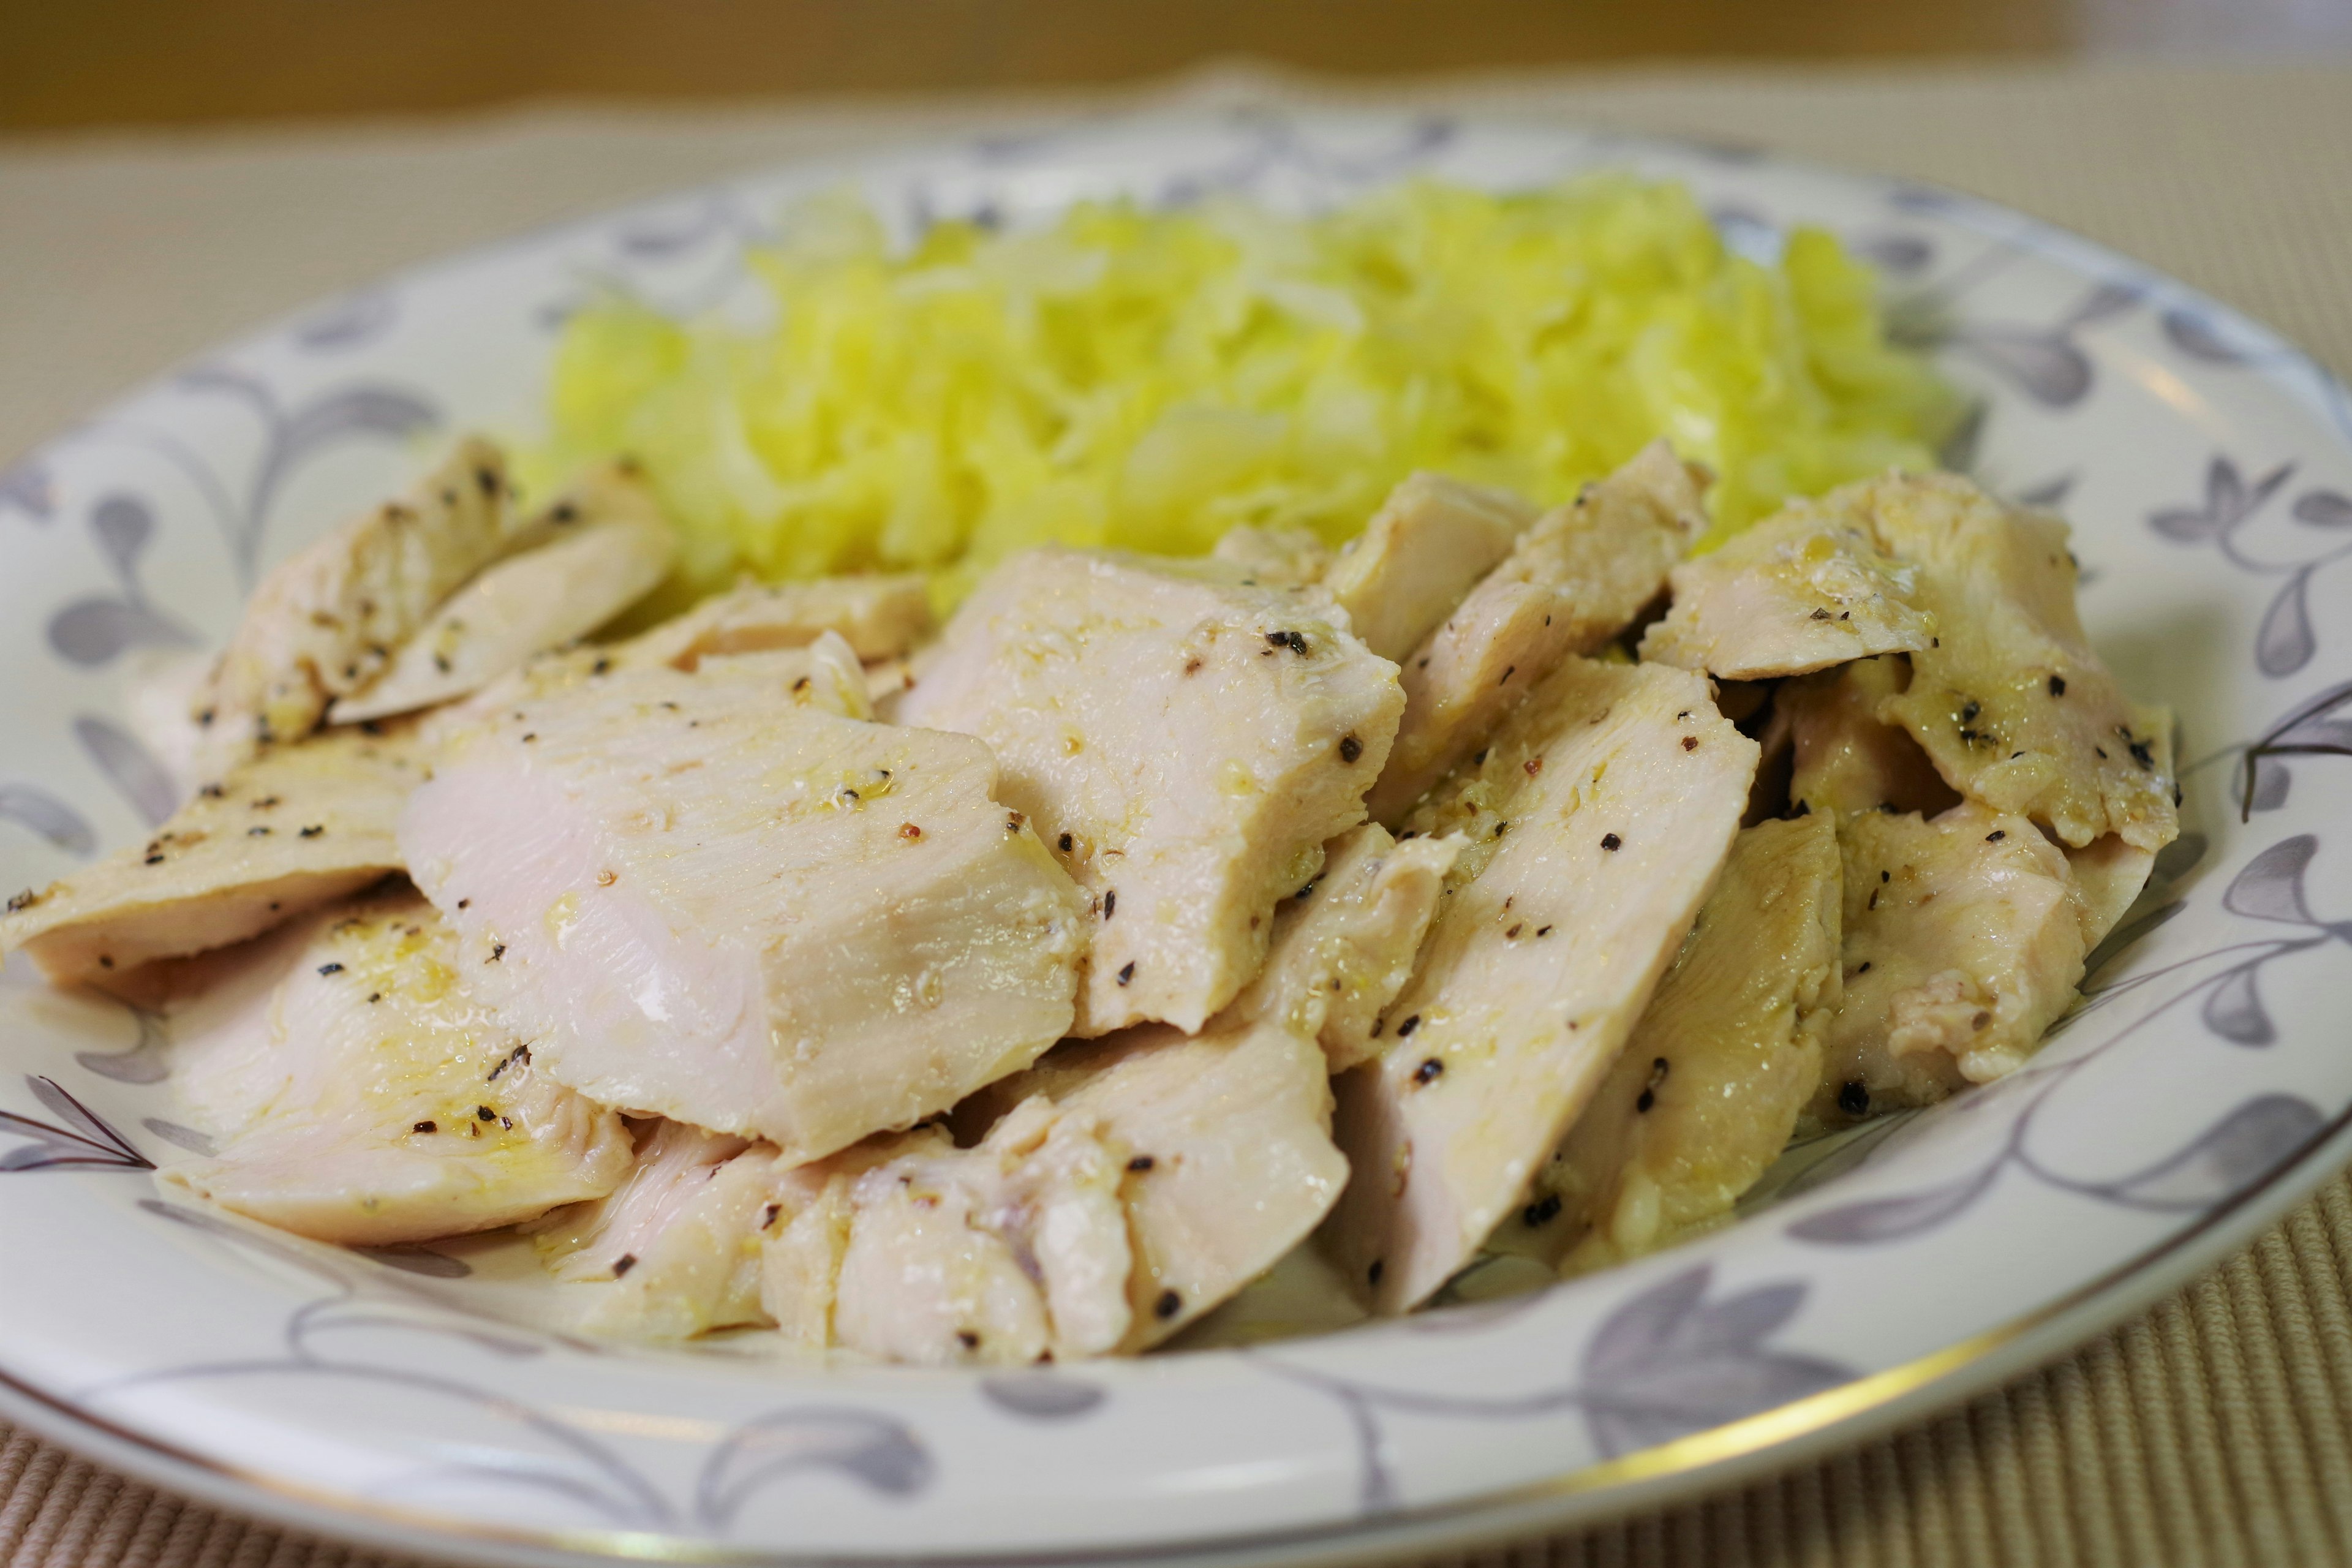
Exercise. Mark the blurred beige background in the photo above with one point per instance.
(83, 63)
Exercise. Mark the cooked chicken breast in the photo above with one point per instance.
(1600, 815)
(298, 826)
(699, 900)
(1186, 742)
(1283, 557)
(1964, 938)
(1706, 1093)
(1344, 944)
(1429, 541)
(1846, 757)
(674, 1251)
(355, 1092)
(1574, 580)
(880, 616)
(1805, 589)
(1230, 1162)
(608, 546)
(323, 624)
(2009, 699)
(1004, 1253)
(2111, 871)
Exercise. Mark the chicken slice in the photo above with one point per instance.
(1606, 806)
(880, 616)
(1429, 541)
(608, 547)
(2111, 871)
(1964, 938)
(1706, 1093)
(324, 623)
(1230, 1162)
(298, 826)
(2008, 699)
(1804, 590)
(1003, 1253)
(1284, 557)
(1185, 741)
(1344, 944)
(699, 900)
(1575, 579)
(1847, 758)
(675, 1250)
(356, 1093)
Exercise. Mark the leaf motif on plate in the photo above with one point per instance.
(45, 814)
(1875, 1221)
(2269, 886)
(348, 322)
(1040, 1395)
(2195, 336)
(84, 1139)
(2285, 642)
(883, 1454)
(122, 526)
(187, 1138)
(93, 631)
(1667, 1361)
(2245, 1145)
(2323, 508)
(2233, 1009)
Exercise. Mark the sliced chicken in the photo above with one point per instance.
(1230, 1163)
(699, 900)
(674, 1251)
(1964, 939)
(1344, 944)
(1603, 809)
(323, 624)
(1431, 540)
(608, 546)
(1284, 557)
(2009, 699)
(1005, 1253)
(356, 1092)
(1185, 741)
(2111, 871)
(1575, 578)
(880, 616)
(1847, 758)
(1706, 1093)
(298, 826)
(1804, 590)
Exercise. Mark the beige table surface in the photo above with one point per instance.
(2216, 1430)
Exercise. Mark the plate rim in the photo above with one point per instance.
(1725, 1455)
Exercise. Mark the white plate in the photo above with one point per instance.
(2206, 467)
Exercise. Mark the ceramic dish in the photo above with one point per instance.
(2200, 1091)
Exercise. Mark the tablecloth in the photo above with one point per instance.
(2217, 1429)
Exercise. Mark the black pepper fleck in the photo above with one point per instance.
(1350, 748)
(1409, 1026)
(1612, 842)
(1141, 1163)
(1110, 903)
(1541, 1212)
(331, 969)
(1167, 1306)
(1428, 1070)
(315, 830)
(622, 1264)
(1127, 972)
(497, 951)
(426, 1127)
(1063, 843)
(1853, 1097)
(2057, 685)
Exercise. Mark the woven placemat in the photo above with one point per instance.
(2217, 1429)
